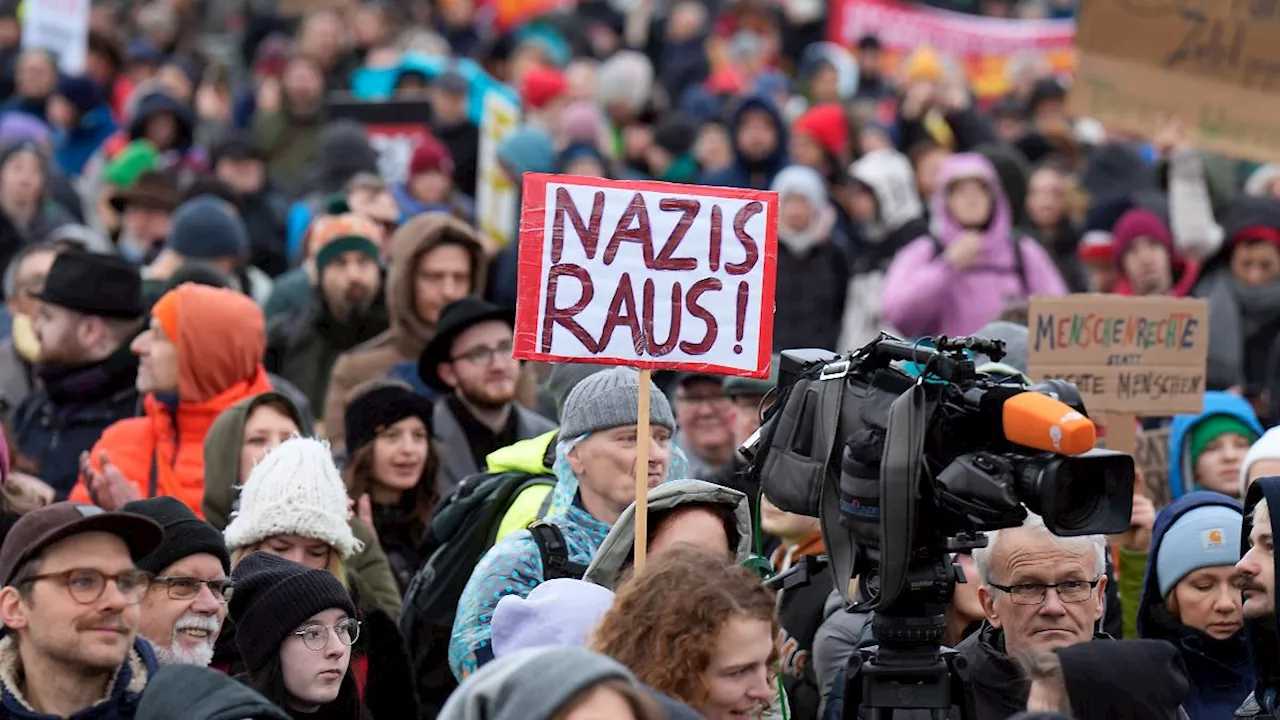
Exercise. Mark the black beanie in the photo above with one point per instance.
(1124, 679)
(184, 534)
(272, 597)
(379, 408)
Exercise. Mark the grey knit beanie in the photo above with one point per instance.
(611, 399)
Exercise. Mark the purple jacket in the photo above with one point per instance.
(924, 295)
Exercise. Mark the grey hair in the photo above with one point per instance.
(982, 557)
(1260, 512)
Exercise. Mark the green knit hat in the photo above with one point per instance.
(1211, 428)
(123, 170)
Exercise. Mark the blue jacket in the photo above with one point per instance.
(514, 565)
(77, 146)
(1181, 472)
(1220, 671)
(742, 173)
(121, 704)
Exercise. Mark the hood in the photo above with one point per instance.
(216, 696)
(889, 175)
(1266, 448)
(615, 552)
(533, 683)
(1215, 403)
(1259, 181)
(1115, 170)
(46, 167)
(759, 102)
(1151, 624)
(409, 243)
(534, 455)
(1014, 172)
(219, 335)
(999, 248)
(155, 103)
(226, 435)
(1262, 636)
(127, 686)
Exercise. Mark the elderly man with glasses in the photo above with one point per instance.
(183, 611)
(70, 607)
(1039, 592)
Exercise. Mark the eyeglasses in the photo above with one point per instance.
(316, 636)
(484, 355)
(1069, 591)
(185, 588)
(712, 401)
(85, 585)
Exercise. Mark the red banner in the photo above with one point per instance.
(982, 45)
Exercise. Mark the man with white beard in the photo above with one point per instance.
(183, 610)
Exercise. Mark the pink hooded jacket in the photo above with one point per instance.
(924, 295)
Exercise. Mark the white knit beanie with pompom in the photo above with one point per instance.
(294, 490)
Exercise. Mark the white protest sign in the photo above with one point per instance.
(61, 27)
(646, 274)
(496, 195)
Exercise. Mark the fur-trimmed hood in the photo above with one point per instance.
(126, 685)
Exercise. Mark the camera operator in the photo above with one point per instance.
(1258, 581)
(1039, 592)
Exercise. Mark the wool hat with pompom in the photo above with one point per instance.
(294, 490)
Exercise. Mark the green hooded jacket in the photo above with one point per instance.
(370, 572)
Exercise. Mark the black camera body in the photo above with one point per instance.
(901, 450)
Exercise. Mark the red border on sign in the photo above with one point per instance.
(533, 212)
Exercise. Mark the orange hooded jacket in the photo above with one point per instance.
(219, 336)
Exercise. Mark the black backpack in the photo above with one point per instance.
(460, 533)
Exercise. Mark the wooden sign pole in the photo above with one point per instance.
(642, 473)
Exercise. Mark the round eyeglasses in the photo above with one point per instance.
(316, 636)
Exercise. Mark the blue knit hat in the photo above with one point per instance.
(1206, 536)
(81, 92)
(207, 228)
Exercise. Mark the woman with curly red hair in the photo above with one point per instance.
(710, 634)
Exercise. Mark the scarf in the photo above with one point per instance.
(1259, 306)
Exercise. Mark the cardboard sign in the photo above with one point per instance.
(1140, 356)
(983, 45)
(1213, 63)
(496, 195)
(1151, 456)
(395, 128)
(60, 27)
(646, 274)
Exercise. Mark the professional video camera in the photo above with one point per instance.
(933, 454)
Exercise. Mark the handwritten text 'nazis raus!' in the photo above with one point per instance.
(681, 273)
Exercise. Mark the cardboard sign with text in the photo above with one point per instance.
(646, 274)
(1151, 456)
(1139, 356)
(1213, 63)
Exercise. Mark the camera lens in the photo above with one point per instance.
(1076, 497)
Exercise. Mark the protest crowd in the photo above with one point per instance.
(268, 450)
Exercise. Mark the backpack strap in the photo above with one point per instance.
(545, 507)
(1019, 262)
(555, 553)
